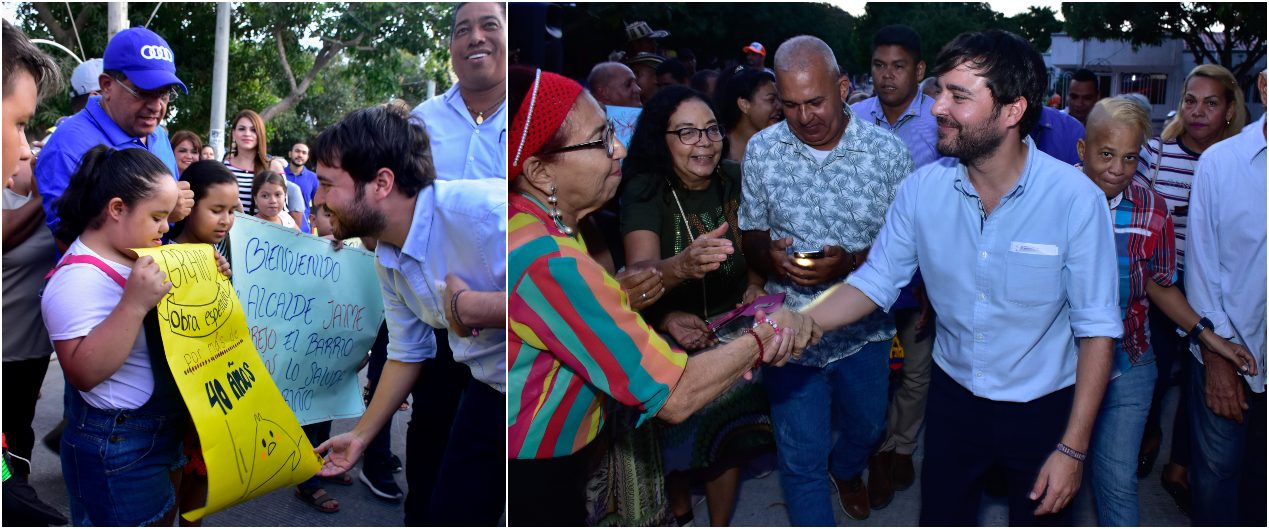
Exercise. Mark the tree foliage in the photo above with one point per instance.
(1212, 31)
(303, 66)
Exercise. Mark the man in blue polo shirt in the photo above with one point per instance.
(301, 176)
(137, 83)
(1018, 256)
(468, 123)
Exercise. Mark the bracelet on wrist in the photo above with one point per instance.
(453, 308)
(761, 348)
(1071, 452)
(767, 321)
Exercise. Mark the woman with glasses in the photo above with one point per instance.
(248, 154)
(576, 351)
(678, 215)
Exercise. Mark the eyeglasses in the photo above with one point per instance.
(606, 142)
(692, 135)
(166, 96)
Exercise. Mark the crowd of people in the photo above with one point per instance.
(1029, 260)
(393, 179)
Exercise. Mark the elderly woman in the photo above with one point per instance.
(1147, 270)
(1210, 109)
(679, 216)
(576, 349)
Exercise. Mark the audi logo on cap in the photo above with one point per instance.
(156, 52)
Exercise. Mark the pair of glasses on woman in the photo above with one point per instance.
(606, 142)
(692, 135)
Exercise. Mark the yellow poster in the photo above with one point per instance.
(252, 442)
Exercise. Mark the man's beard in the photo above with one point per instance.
(359, 220)
(973, 145)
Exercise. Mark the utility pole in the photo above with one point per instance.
(116, 18)
(220, 80)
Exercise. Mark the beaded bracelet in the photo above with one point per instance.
(1071, 452)
(453, 308)
(767, 321)
(761, 349)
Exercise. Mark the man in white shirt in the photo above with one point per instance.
(1225, 280)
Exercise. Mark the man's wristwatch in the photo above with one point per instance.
(1203, 324)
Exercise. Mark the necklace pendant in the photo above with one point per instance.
(480, 118)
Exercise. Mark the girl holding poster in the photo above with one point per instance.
(125, 417)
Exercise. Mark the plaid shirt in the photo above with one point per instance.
(1144, 245)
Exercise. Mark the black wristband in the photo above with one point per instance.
(1071, 452)
(1203, 324)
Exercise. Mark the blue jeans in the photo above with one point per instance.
(1116, 442)
(1227, 470)
(855, 388)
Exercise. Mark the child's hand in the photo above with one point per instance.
(223, 265)
(147, 284)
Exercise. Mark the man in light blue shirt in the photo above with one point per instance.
(1225, 279)
(137, 83)
(441, 261)
(1018, 256)
(468, 123)
(901, 108)
(820, 182)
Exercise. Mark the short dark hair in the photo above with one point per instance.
(1084, 75)
(105, 173)
(1013, 69)
(20, 54)
(899, 35)
(382, 136)
(742, 84)
(675, 68)
(700, 80)
(453, 20)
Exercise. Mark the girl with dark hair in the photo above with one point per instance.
(746, 103)
(269, 191)
(215, 201)
(248, 154)
(125, 416)
(679, 215)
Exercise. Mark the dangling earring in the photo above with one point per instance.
(555, 212)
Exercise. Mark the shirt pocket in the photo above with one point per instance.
(1032, 279)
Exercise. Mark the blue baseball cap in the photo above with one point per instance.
(144, 57)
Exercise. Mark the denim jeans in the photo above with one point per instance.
(1227, 474)
(1116, 442)
(855, 389)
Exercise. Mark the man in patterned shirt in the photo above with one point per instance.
(820, 183)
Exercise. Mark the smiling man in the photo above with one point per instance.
(468, 123)
(1018, 257)
(137, 84)
(820, 182)
(376, 178)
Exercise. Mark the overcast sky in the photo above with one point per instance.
(856, 7)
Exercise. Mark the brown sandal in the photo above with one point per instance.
(339, 479)
(318, 499)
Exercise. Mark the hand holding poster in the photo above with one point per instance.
(251, 441)
(313, 312)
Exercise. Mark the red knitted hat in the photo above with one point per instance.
(539, 117)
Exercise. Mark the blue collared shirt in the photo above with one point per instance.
(840, 201)
(1013, 290)
(461, 149)
(90, 127)
(1057, 134)
(459, 227)
(1225, 266)
(916, 127)
(307, 180)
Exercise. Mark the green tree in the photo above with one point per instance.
(343, 55)
(1036, 24)
(1212, 31)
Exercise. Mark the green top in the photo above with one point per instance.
(648, 204)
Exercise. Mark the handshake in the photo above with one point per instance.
(783, 335)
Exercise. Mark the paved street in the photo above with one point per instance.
(760, 503)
